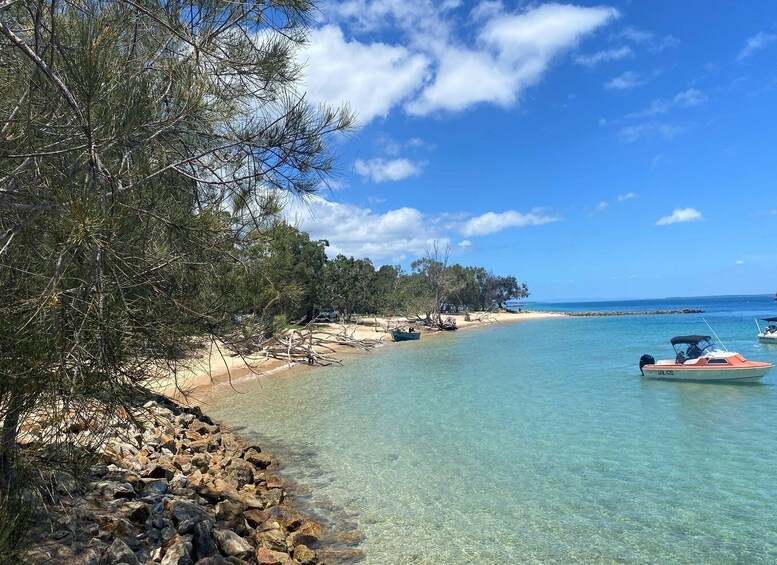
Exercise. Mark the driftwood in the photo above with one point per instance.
(313, 345)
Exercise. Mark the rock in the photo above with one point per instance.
(201, 427)
(231, 544)
(305, 555)
(307, 534)
(155, 486)
(201, 461)
(240, 471)
(274, 496)
(112, 489)
(199, 446)
(230, 512)
(214, 560)
(119, 552)
(269, 557)
(272, 539)
(254, 456)
(158, 472)
(136, 511)
(187, 514)
(256, 516)
(202, 542)
(177, 552)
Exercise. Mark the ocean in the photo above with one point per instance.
(535, 442)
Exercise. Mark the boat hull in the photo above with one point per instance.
(752, 373)
(405, 336)
(770, 338)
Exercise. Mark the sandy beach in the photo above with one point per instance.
(216, 370)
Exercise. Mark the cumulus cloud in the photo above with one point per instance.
(756, 43)
(360, 232)
(384, 170)
(492, 222)
(398, 234)
(371, 78)
(438, 68)
(604, 56)
(626, 81)
(681, 215)
(627, 196)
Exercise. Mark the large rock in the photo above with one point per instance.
(254, 456)
(230, 512)
(231, 544)
(136, 511)
(177, 551)
(269, 557)
(111, 489)
(119, 552)
(272, 539)
(305, 555)
(309, 533)
(158, 472)
(241, 472)
(187, 514)
(203, 544)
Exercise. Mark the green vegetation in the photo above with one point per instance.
(143, 146)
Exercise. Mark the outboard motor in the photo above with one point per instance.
(646, 360)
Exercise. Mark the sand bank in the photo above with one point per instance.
(216, 370)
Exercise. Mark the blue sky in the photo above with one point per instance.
(593, 150)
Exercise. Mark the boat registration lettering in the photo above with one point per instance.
(668, 373)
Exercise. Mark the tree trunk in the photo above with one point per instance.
(8, 444)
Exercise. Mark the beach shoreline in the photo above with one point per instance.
(216, 371)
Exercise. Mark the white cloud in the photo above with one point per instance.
(373, 78)
(437, 68)
(604, 56)
(755, 43)
(492, 222)
(382, 170)
(626, 81)
(630, 134)
(395, 235)
(740, 262)
(356, 231)
(649, 40)
(627, 196)
(686, 99)
(601, 207)
(681, 215)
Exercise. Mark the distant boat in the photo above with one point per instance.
(410, 335)
(769, 333)
(699, 360)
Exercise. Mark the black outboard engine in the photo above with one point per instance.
(646, 360)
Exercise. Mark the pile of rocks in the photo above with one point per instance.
(178, 490)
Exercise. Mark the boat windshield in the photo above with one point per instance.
(694, 349)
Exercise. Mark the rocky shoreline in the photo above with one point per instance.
(638, 313)
(178, 489)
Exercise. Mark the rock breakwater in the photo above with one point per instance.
(180, 489)
(636, 313)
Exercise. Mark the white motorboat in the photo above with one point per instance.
(698, 359)
(769, 333)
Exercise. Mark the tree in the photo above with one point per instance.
(139, 143)
(348, 285)
(279, 274)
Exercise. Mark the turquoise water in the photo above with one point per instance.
(535, 442)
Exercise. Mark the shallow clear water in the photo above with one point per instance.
(535, 442)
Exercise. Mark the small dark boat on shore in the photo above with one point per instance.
(410, 335)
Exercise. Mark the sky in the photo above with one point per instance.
(594, 150)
